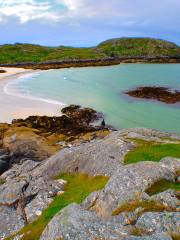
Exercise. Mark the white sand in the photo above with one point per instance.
(12, 107)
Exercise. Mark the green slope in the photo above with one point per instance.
(122, 47)
(139, 47)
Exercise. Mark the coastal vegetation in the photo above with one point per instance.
(139, 47)
(152, 151)
(78, 187)
(163, 185)
(121, 47)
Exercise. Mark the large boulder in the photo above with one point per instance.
(73, 222)
(129, 183)
(101, 157)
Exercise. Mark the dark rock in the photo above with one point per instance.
(161, 94)
(4, 166)
(75, 120)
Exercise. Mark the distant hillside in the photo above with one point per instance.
(122, 47)
(138, 47)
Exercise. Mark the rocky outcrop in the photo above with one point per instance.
(99, 157)
(129, 183)
(75, 223)
(24, 197)
(39, 137)
(160, 222)
(106, 61)
(119, 211)
(161, 94)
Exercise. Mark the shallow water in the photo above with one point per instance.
(102, 88)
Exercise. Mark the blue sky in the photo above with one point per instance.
(87, 22)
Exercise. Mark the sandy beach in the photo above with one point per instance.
(12, 107)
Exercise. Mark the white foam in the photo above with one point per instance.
(13, 91)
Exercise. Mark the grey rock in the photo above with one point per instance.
(35, 208)
(152, 237)
(171, 163)
(101, 157)
(129, 183)
(11, 191)
(156, 222)
(11, 221)
(20, 169)
(74, 223)
(150, 134)
(167, 198)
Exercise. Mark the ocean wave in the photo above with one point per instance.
(12, 89)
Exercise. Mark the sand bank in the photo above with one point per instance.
(20, 107)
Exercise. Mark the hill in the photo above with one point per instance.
(122, 47)
(131, 47)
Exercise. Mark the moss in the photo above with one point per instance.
(175, 236)
(151, 151)
(78, 187)
(146, 205)
(162, 186)
(2, 181)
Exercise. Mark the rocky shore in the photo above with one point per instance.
(41, 157)
(93, 62)
(161, 94)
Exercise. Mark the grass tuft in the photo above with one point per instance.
(162, 186)
(151, 151)
(78, 187)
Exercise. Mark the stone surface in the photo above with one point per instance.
(29, 188)
(152, 237)
(128, 183)
(168, 198)
(74, 223)
(11, 220)
(154, 222)
(101, 157)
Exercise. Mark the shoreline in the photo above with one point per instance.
(94, 62)
(13, 106)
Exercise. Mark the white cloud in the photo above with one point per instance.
(27, 10)
(111, 12)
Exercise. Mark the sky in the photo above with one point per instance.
(87, 22)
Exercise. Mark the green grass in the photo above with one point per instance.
(79, 186)
(122, 47)
(150, 151)
(145, 205)
(162, 186)
(139, 47)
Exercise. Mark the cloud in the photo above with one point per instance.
(27, 10)
(89, 21)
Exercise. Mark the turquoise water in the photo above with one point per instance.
(102, 88)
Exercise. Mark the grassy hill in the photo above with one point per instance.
(122, 47)
(139, 47)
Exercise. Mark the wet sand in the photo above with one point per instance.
(12, 107)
